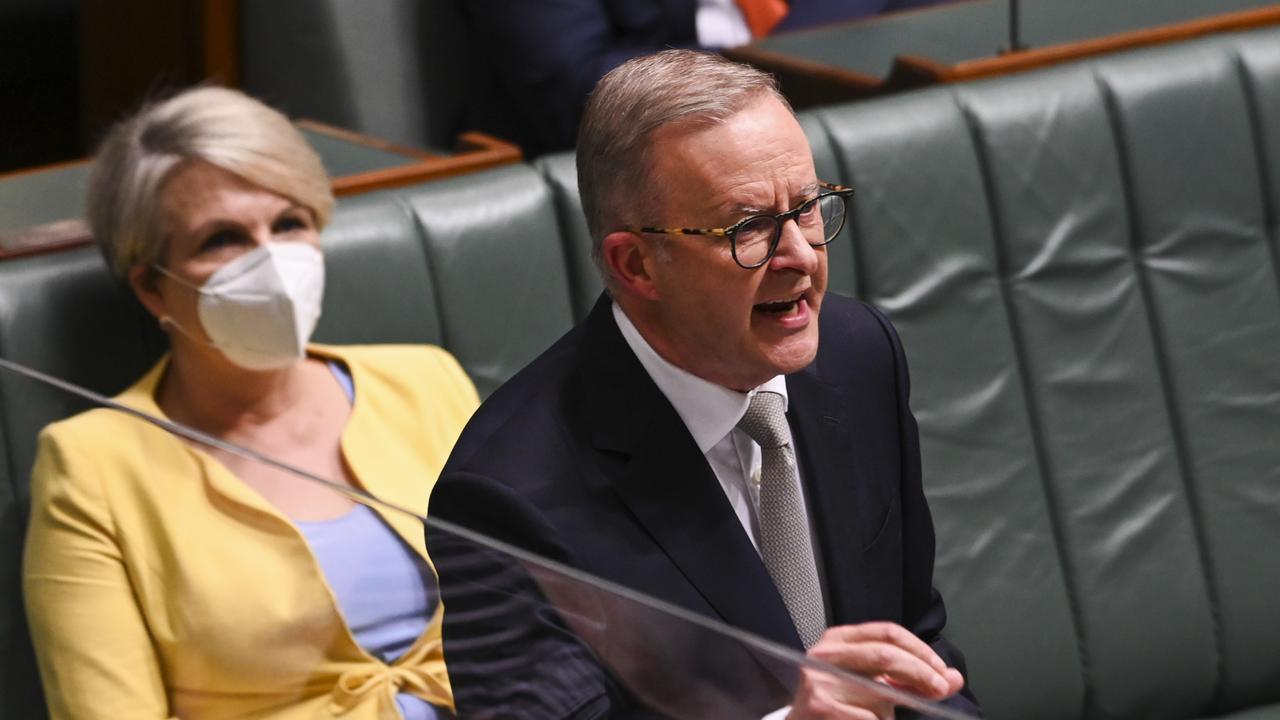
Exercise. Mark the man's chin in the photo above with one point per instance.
(796, 353)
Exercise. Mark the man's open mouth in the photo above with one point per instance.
(780, 307)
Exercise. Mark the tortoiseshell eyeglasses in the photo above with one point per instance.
(755, 239)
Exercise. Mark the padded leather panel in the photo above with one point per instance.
(1259, 58)
(378, 286)
(493, 245)
(925, 254)
(1057, 195)
(1200, 227)
(64, 315)
(561, 173)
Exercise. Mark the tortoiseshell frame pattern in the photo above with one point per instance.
(779, 219)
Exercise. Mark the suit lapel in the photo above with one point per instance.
(667, 484)
(829, 469)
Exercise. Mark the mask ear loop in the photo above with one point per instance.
(167, 323)
(160, 269)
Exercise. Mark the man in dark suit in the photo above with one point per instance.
(719, 432)
(537, 60)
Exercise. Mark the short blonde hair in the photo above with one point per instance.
(628, 106)
(222, 127)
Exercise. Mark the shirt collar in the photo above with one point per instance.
(708, 410)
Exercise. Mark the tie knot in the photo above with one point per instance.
(766, 420)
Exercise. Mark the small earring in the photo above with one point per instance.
(166, 323)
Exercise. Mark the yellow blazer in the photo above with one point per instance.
(159, 585)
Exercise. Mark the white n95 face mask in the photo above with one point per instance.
(260, 309)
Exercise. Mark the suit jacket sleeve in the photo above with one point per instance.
(95, 655)
(509, 650)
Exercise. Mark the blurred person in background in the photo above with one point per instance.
(164, 578)
(537, 60)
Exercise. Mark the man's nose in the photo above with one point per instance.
(794, 251)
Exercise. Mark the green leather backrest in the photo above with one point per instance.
(924, 245)
(1203, 232)
(495, 254)
(1081, 262)
(1103, 434)
(561, 173)
(475, 264)
(378, 284)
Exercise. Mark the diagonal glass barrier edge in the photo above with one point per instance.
(589, 646)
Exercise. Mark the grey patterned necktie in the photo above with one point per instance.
(785, 545)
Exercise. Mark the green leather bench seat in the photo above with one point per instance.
(1082, 263)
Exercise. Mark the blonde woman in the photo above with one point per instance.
(166, 579)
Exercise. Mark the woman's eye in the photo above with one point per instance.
(289, 224)
(219, 239)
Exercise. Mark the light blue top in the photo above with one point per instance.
(385, 590)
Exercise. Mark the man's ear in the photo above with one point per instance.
(631, 261)
(143, 279)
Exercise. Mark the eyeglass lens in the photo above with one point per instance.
(754, 239)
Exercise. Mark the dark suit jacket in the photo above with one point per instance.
(537, 60)
(581, 458)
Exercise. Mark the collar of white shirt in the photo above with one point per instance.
(709, 411)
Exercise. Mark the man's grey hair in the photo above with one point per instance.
(615, 148)
(225, 128)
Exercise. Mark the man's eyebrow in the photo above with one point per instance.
(808, 192)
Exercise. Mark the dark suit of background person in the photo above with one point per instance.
(535, 61)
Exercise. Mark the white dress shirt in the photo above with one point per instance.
(720, 24)
(711, 413)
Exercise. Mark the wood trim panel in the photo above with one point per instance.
(476, 151)
(358, 138)
(807, 83)
(220, 31)
(912, 70)
(43, 168)
(40, 239)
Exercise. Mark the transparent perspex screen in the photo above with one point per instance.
(177, 587)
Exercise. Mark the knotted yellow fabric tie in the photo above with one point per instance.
(358, 683)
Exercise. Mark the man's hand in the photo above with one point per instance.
(882, 651)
